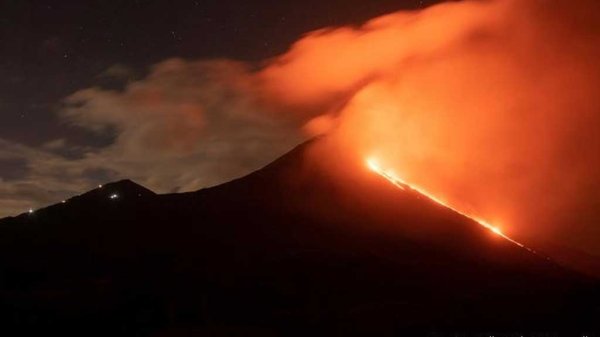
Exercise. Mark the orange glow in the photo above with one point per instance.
(467, 101)
(400, 183)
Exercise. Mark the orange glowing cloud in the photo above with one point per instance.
(330, 62)
(489, 105)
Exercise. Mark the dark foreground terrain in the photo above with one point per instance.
(294, 249)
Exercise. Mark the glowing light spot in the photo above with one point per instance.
(373, 165)
(114, 196)
(389, 175)
(397, 181)
(30, 211)
(496, 230)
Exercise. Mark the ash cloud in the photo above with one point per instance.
(491, 105)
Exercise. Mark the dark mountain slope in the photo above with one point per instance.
(302, 247)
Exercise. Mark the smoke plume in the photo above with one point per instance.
(490, 105)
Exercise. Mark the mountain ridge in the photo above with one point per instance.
(303, 246)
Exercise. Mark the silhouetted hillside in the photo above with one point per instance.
(302, 247)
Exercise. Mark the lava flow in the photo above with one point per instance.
(398, 182)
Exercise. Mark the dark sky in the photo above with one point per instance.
(53, 49)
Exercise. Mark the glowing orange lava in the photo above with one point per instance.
(397, 181)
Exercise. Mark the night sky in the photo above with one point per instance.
(53, 49)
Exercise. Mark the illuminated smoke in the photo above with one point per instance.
(490, 105)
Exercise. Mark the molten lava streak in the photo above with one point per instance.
(398, 182)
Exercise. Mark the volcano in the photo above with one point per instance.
(302, 247)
